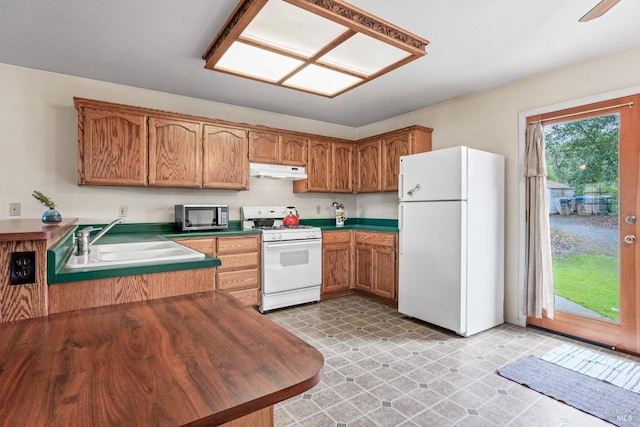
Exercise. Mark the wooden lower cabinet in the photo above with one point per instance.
(360, 261)
(337, 262)
(376, 265)
(239, 274)
(124, 289)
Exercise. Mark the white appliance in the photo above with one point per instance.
(265, 170)
(451, 222)
(291, 257)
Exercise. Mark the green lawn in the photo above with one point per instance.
(589, 280)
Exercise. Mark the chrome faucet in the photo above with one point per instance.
(84, 243)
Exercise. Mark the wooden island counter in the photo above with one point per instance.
(200, 359)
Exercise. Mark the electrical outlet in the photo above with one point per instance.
(22, 267)
(123, 211)
(317, 209)
(15, 209)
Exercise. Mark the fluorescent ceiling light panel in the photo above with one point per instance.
(323, 47)
(364, 55)
(323, 80)
(292, 29)
(242, 59)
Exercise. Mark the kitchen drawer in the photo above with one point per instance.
(329, 237)
(238, 261)
(233, 280)
(249, 297)
(205, 245)
(234, 245)
(375, 238)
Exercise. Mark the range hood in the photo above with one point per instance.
(265, 170)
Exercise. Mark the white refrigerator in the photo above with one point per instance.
(451, 254)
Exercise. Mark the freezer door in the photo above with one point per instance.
(432, 263)
(434, 175)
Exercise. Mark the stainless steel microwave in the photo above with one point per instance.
(201, 217)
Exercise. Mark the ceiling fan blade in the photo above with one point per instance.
(599, 10)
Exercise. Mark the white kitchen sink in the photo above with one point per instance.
(135, 253)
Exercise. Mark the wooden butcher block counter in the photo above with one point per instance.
(200, 359)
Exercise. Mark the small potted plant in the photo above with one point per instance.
(51, 216)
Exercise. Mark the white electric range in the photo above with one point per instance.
(291, 257)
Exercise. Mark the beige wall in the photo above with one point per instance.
(489, 121)
(38, 136)
(38, 139)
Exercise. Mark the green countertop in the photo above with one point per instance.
(367, 224)
(58, 254)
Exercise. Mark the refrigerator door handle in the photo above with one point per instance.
(400, 186)
(413, 190)
(400, 214)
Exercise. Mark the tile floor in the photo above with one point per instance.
(383, 369)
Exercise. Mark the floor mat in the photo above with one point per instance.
(622, 373)
(593, 396)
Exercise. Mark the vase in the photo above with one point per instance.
(51, 216)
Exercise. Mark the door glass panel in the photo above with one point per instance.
(583, 194)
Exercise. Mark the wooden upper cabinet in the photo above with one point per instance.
(293, 149)
(124, 145)
(342, 162)
(264, 147)
(392, 148)
(378, 157)
(369, 166)
(112, 147)
(329, 168)
(175, 153)
(225, 162)
(319, 166)
(278, 148)
(412, 140)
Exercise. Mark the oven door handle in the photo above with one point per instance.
(290, 244)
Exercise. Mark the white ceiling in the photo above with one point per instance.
(158, 44)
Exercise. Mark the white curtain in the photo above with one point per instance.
(539, 269)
